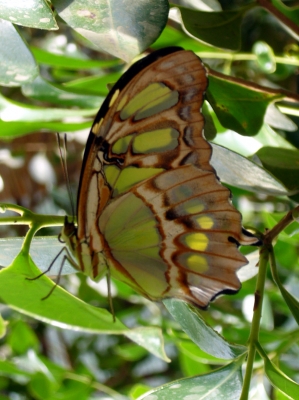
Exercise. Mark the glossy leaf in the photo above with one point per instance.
(34, 14)
(17, 65)
(118, 27)
(201, 334)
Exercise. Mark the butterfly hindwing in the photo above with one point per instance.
(150, 207)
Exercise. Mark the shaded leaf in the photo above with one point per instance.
(220, 29)
(282, 163)
(238, 107)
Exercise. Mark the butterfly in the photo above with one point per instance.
(151, 211)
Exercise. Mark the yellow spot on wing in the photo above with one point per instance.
(193, 206)
(114, 97)
(158, 140)
(196, 241)
(96, 126)
(156, 97)
(205, 222)
(197, 263)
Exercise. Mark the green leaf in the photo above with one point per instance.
(236, 170)
(290, 12)
(278, 378)
(34, 13)
(282, 163)
(70, 63)
(220, 29)
(200, 333)
(290, 300)
(13, 129)
(119, 27)
(3, 325)
(223, 383)
(43, 90)
(238, 107)
(17, 65)
(97, 85)
(15, 111)
(75, 314)
(22, 338)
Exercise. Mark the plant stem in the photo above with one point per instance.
(255, 326)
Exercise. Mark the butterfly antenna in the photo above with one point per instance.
(64, 167)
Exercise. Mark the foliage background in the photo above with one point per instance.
(54, 78)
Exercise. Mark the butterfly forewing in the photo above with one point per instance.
(150, 207)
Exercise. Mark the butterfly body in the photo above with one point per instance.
(151, 210)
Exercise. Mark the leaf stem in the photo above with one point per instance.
(255, 326)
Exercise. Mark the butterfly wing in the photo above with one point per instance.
(150, 206)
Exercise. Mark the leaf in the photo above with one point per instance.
(17, 65)
(200, 333)
(220, 29)
(43, 90)
(43, 250)
(15, 111)
(236, 170)
(223, 383)
(282, 163)
(12, 129)
(238, 107)
(26, 297)
(119, 27)
(278, 378)
(61, 61)
(290, 12)
(290, 300)
(34, 13)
